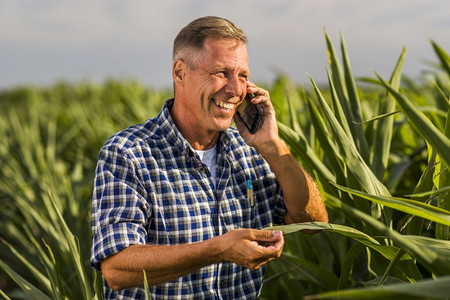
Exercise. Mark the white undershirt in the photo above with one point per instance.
(209, 158)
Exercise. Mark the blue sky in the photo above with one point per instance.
(42, 42)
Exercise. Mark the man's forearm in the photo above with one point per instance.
(162, 263)
(302, 197)
(165, 263)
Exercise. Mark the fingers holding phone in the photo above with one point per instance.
(250, 114)
(261, 123)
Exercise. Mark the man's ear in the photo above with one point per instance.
(179, 71)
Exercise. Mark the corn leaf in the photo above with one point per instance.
(79, 269)
(347, 266)
(304, 270)
(4, 295)
(413, 207)
(30, 268)
(341, 229)
(146, 287)
(439, 246)
(443, 231)
(443, 57)
(339, 107)
(350, 154)
(29, 289)
(329, 147)
(338, 82)
(355, 105)
(421, 191)
(431, 257)
(430, 289)
(301, 147)
(384, 128)
(430, 193)
(424, 126)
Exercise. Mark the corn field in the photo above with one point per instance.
(379, 149)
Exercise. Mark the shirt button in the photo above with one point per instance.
(223, 284)
(201, 169)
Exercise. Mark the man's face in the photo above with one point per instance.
(217, 85)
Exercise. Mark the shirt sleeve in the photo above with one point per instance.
(267, 187)
(272, 190)
(119, 207)
(279, 209)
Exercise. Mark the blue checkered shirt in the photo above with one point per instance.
(151, 188)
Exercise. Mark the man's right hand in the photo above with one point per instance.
(251, 248)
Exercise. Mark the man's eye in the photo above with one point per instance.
(221, 74)
(243, 78)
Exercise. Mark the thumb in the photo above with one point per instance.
(268, 236)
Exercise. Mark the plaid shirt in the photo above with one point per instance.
(152, 188)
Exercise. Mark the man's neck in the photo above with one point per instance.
(205, 143)
(198, 138)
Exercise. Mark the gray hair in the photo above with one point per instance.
(190, 39)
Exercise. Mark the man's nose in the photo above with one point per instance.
(235, 86)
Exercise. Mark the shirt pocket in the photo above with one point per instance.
(238, 211)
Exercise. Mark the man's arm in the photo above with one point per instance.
(301, 195)
(165, 263)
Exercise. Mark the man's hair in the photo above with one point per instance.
(190, 39)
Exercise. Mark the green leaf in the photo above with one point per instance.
(98, 285)
(341, 229)
(4, 295)
(384, 128)
(347, 266)
(339, 107)
(413, 207)
(350, 154)
(379, 117)
(355, 105)
(146, 288)
(71, 240)
(430, 193)
(304, 270)
(425, 185)
(30, 290)
(30, 268)
(439, 246)
(300, 146)
(326, 142)
(443, 57)
(432, 134)
(430, 289)
(435, 259)
(443, 231)
(337, 74)
(393, 262)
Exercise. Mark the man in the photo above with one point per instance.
(170, 194)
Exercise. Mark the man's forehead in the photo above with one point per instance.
(229, 44)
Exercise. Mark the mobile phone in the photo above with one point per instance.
(250, 114)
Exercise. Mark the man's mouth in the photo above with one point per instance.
(224, 105)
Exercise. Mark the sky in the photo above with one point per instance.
(43, 42)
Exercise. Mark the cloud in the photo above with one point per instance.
(49, 40)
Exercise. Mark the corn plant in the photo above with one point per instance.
(48, 160)
(364, 148)
(379, 155)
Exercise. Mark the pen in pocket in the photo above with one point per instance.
(250, 193)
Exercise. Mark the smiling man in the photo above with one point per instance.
(171, 195)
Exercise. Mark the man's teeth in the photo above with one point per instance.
(225, 105)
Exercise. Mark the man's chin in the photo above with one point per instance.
(220, 129)
(222, 126)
